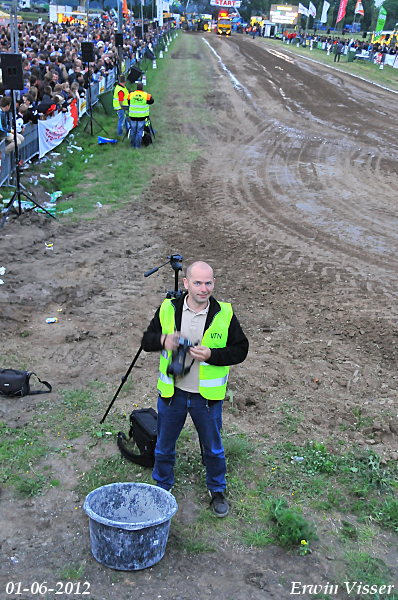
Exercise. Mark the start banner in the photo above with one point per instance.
(53, 131)
(226, 3)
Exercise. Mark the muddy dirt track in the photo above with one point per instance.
(294, 202)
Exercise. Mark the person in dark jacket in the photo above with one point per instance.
(339, 50)
(217, 342)
(46, 101)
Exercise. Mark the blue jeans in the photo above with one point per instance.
(137, 129)
(208, 423)
(122, 121)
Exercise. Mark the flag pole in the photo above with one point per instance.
(142, 20)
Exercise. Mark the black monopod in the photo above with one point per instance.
(175, 261)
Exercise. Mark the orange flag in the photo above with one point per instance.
(125, 9)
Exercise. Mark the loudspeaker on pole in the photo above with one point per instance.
(11, 66)
(87, 52)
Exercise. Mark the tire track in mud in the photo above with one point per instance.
(282, 175)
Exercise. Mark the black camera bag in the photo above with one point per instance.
(143, 431)
(16, 383)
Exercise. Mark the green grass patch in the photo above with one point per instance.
(19, 448)
(362, 567)
(30, 484)
(23, 451)
(73, 571)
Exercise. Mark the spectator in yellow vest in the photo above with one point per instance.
(120, 103)
(139, 102)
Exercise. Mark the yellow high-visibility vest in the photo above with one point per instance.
(116, 103)
(138, 106)
(212, 379)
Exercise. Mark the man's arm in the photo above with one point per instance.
(151, 339)
(236, 349)
(120, 97)
(154, 340)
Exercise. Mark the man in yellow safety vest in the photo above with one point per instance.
(120, 96)
(217, 342)
(139, 102)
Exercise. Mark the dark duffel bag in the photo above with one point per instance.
(17, 383)
(143, 431)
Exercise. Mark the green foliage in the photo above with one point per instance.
(18, 448)
(77, 399)
(258, 537)
(349, 530)
(238, 450)
(30, 484)
(290, 527)
(292, 417)
(388, 515)
(317, 460)
(363, 567)
(73, 571)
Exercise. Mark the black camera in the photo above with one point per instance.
(176, 367)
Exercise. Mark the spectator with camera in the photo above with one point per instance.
(216, 342)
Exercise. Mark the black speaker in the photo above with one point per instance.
(149, 54)
(134, 74)
(11, 66)
(119, 40)
(145, 27)
(138, 31)
(87, 52)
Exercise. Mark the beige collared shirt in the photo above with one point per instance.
(192, 327)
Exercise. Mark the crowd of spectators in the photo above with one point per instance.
(54, 74)
(330, 43)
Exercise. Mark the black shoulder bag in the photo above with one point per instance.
(16, 383)
(143, 431)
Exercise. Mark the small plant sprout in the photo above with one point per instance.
(304, 548)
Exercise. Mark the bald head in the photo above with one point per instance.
(199, 282)
(199, 265)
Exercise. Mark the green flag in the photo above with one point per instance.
(380, 22)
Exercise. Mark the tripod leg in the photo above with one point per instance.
(36, 204)
(9, 206)
(124, 379)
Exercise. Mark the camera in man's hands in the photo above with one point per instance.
(176, 367)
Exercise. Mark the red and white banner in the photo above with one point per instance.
(342, 9)
(312, 10)
(359, 8)
(53, 131)
(226, 3)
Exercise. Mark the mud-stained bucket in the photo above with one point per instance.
(129, 524)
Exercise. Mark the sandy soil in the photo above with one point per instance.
(299, 175)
